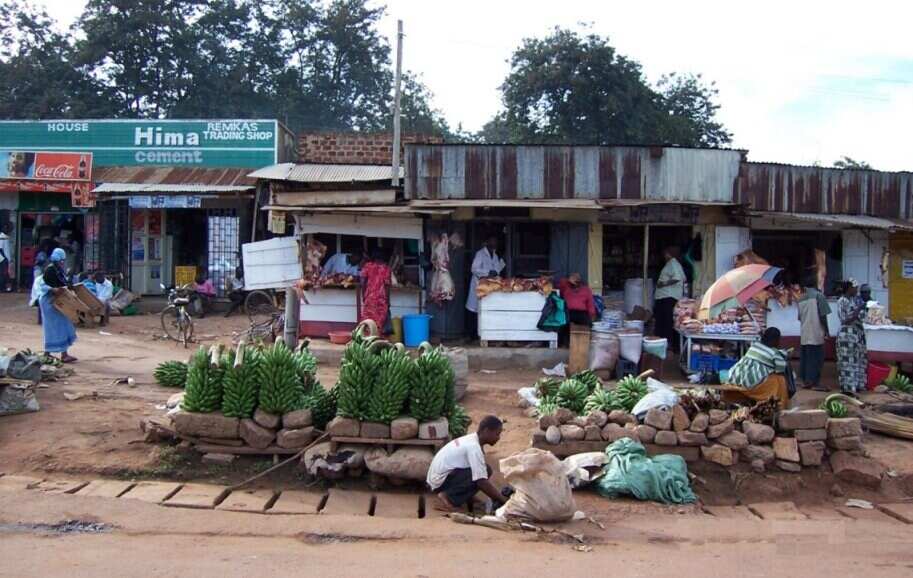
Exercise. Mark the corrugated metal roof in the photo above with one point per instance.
(128, 188)
(834, 221)
(173, 176)
(570, 172)
(526, 203)
(319, 173)
(391, 209)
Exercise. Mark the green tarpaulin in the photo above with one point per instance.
(630, 472)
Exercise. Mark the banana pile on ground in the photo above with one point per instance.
(584, 393)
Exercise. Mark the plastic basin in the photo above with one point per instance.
(340, 337)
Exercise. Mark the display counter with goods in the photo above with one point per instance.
(509, 310)
(886, 341)
(715, 345)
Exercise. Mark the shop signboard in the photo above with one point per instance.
(906, 271)
(165, 202)
(190, 143)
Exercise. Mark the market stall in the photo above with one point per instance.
(509, 310)
(889, 343)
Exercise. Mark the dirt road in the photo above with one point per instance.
(97, 437)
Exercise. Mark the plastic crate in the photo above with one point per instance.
(726, 364)
(184, 275)
(704, 362)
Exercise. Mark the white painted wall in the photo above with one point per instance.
(862, 252)
(730, 241)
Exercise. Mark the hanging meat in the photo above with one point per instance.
(442, 287)
(314, 253)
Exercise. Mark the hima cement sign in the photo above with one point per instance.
(190, 143)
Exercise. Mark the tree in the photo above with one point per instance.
(568, 88)
(849, 163)
(416, 114)
(38, 78)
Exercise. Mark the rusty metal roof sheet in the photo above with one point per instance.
(818, 220)
(129, 188)
(321, 173)
(498, 203)
(173, 176)
(570, 172)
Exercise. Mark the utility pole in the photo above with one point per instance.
(396, 98)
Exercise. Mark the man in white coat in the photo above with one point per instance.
(486, 263)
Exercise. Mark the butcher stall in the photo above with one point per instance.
(509, 310)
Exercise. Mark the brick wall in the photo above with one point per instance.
(354, 148)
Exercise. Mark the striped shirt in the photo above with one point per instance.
(756, 365)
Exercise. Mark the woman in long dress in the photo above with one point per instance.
(851, 349)
(59, 333)
(376, 278)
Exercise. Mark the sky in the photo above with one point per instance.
(800, 82)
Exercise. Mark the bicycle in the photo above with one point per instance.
(262, 304)
(176, 320)
(266, 331)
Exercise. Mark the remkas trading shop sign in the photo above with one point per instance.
(190, 143)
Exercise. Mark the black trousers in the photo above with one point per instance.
(459, 486)
(664, 325)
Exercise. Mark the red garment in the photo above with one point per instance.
(375, 278)
(577, 298)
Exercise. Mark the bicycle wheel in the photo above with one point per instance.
(260, 306)
(171, 324)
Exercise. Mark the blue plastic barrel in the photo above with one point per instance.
(416, 329)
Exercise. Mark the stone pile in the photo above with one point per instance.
(291, 431)
(400, 429)
(802, 438)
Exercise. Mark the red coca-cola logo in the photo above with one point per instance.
(55, 172)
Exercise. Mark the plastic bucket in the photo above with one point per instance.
(656, 346)
(878, 372)
(416, 329)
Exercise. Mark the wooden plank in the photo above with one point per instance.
(777, 511)
(152, 492)
(822, 513)
(244, 450)
(902, 511)
(336, 198)
(516, 335)
(348, 502)
(295, 502)
(60, 486)
(198, 496)
(509, 320)
(864, 515)
(105, 488)
(521, 301)
(251, 501)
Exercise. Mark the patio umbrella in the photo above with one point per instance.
(735, 288)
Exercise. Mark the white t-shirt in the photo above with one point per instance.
(461, 453)
(5, 245)
(672, 271)
(104, 291)
(339, 263)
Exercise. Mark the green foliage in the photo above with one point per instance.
(392, 387)
(281, 389)
(241, 385)
(171, 374)
(846, 162)
(203, 392)
(458, 421)
(431, 380)
(589, 378)
(602, 400)
(629, 391)
(572, 395)
(573, 88)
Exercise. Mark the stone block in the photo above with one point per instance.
(592, 433)
(735, 440)
(406, 463)
(810, 435)
(691, 438)
(718, 454)
(621, 417)
(758, 433)
(373, 429)
(434, 430)
(807, 419)
(700, 423)
(571, 432)
(844, 427)
(210, 425)
(665, 438)
(295, 438)
(718, 430)
(680, 419)
(553, 434)
(405, 428)
(564, 415)
(660, 418)
(200, 496)
(786, 449)
(614, 432)
(811, 453)
(267, 420)
(791, 467)
(579, 421)
(297, 419)
(344, 427)
(718, 416)
(545, 421)
(763, 453)
(850, 443)
(255, 435)
(645, 433)
(598, 418)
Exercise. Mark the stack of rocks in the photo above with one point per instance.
(264, 431)
(800, 439)
(400, 429)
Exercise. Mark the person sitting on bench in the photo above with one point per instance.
(459, 470)
(762, 372)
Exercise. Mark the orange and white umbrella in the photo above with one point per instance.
(735, 288)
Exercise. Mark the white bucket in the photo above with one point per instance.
(634, 294)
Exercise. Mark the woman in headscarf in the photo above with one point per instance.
(852, 359)
(59, 333)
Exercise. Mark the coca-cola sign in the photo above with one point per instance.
(46, 166)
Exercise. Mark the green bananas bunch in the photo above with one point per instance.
(306, 364)
(834, 408)
(601, 400)
(392, 387)
(458, 421)
(281, 389)
(572, 395)
(241, 385)
(900, 383)
(322, 404)
(203, 392)
(432, 384)
(171, 374)
(358, 374)
(591, 380)
(547, 387)
(548, 406)
(629, 391)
